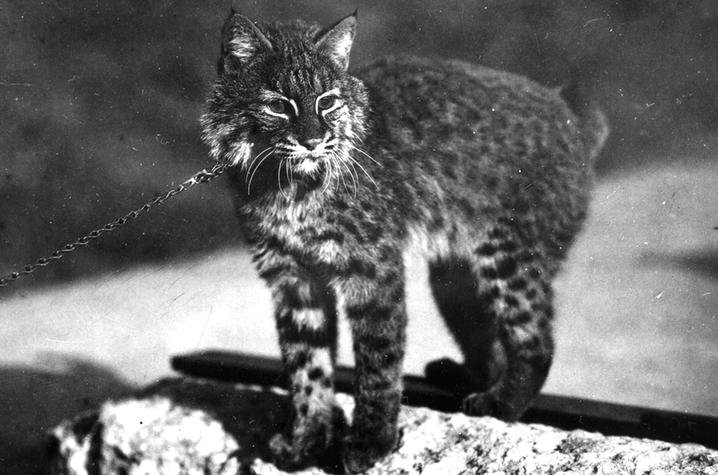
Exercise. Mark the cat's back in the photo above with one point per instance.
(476, 142)
(420, 101)
(438, 85)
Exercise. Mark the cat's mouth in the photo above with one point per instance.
(309, 170)
(309, 165)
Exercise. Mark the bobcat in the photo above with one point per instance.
(337, 172)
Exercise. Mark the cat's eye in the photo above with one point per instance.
(328, 102)
(279, 107)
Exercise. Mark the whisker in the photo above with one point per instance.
(350, 167)
(349, 157)
(282, 163)
(328, 176)
(291, 174)
(250, 176)
(249, 183)
(353, 171)
(288, 173)
(350, 171)
(261, 155)
(339, 175)
(336, 176)
(351, 175)
(365, 154)
(254, 160)
(344, 181)
(279, 176)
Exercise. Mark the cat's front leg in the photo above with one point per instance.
(306, 323)
(373, 297)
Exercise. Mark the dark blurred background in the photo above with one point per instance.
(99, 101)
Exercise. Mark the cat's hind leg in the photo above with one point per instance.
(467, 313)
(306, 323)
(502, 323)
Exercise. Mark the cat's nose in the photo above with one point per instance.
(311, 144)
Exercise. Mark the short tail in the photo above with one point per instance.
(593, 125)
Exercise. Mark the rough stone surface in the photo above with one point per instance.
(188, 426)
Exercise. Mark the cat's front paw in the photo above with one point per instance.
(292, 456)
(360, 454)
(316, 442)
(360, 457)
(488, 404)
(284, 455)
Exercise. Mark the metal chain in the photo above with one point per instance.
(202, 176)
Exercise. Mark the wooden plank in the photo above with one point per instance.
(559, 411)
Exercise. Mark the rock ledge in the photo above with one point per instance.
(191, 426)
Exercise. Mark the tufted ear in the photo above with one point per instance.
(241, 40)
(336, 41)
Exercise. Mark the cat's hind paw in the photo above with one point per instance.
(488, 404)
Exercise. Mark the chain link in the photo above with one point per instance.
(202, 176)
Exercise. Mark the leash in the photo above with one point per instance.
(202, 176)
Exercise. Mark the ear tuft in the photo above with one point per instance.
(336, 42)
(241, 40)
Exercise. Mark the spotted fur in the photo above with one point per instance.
(337, 173)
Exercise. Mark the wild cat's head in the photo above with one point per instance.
(284, 104)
